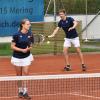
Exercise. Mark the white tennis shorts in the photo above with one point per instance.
(74, 41)
(22, 62)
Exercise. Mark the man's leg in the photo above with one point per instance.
(65, 51)
(67, 44)
(80, 54)
(81, 58)
(76, 44)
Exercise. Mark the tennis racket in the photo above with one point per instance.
(39, 38)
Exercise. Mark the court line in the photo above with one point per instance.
(71, 93)
(83, 95)
(57, 72)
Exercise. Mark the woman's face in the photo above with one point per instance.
(26, 25)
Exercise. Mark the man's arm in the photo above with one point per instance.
(74, 26)
(54, 32)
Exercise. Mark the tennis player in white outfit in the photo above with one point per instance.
(22, 58)
(68, 24)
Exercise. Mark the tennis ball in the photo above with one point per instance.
(48, 42)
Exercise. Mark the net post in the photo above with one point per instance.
(55, 42)
(55, 46)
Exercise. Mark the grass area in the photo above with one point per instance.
(44, 48)
(94, 43)
(5, 49)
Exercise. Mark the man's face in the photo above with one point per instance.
(62, 15)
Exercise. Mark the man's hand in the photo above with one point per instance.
(54, 33)
(71, 28)
(74, 26)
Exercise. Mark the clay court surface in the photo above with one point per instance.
(71, 89)
(53, 64)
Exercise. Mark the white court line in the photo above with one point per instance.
(55, 94)
(82, 95)
(57, 72)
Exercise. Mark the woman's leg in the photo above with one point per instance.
(26, 70)
(18, 70)
(25, 92)
(25, 83)
(19, 83)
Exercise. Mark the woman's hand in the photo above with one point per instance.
(25, 50)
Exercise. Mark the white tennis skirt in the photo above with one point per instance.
(23, 61)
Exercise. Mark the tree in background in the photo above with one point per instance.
(75, 6)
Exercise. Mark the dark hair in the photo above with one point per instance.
(62, 11)
(22, 22)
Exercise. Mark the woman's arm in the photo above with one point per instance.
(13, 47)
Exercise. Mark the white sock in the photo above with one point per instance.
(20, 89)
(24, 90)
